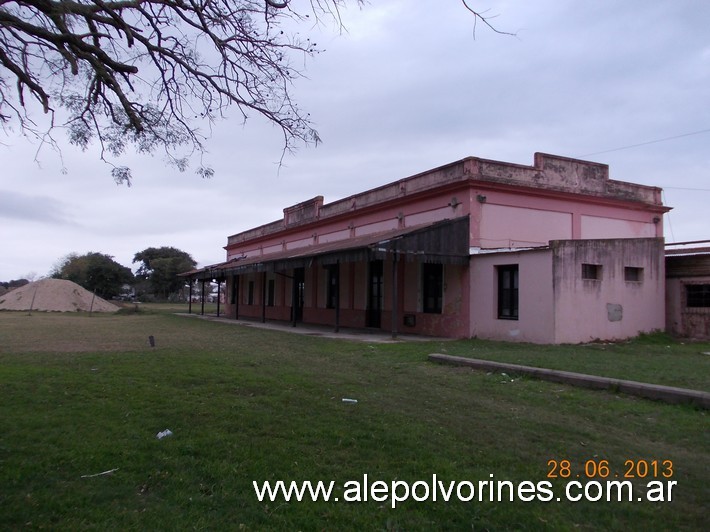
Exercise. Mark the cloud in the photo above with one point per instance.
(33, 208)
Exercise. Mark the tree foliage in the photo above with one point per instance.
(146, 73)
(94, 271)
(6, 286)
(160, 267)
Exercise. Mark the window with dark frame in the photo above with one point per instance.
(592, 272)
(432, 288)
(331, 293)
(270, 291)
(250, 293)
(633, 274)
(508, 292)
(697, 295)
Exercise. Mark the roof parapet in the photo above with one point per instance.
(548, 172)
(304, 212)
(565, 174)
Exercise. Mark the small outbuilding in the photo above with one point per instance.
(688, 289)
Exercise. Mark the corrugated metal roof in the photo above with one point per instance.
(445, 242)
(685, 252)
(695, 247)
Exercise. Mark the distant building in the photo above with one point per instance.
(551, 253)
(688, 289)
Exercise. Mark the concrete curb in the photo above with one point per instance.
(667, 394)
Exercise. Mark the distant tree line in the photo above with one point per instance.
(6, 286)
(156, 277)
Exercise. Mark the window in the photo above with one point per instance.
(332, 287)
(432, 288)
(508, 292)
(250, 293)
(697, 295)
(235, 290)
(633, 274)
(270, 293)
(592, 272)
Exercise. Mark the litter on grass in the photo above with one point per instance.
(164, 434)
(347, 400)
(110, 471)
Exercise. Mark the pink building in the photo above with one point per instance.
(551, 253)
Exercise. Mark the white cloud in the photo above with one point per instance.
(21, 207)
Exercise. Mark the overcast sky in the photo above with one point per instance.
(406, 89)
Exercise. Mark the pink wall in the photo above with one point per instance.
(625, 226)
(536, 316)
(508, 226)
(524, 219)
(610, 308)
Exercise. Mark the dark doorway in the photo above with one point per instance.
(299, 287)
(375, 294)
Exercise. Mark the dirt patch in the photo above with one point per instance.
(54, 295)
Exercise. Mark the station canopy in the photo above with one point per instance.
(443, 242)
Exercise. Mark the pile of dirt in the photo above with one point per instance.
(54, 295)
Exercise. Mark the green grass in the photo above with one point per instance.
(656, 358)
(166, 308)
(82, 395)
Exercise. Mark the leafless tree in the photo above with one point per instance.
(145, 73)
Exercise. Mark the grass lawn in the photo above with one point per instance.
(657, 359)
(82, 395)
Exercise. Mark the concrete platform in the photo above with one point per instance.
(667, 394)
(355, 335)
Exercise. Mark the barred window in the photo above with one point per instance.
(697, 295)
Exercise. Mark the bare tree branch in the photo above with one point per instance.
(479, 15)
(145, 73)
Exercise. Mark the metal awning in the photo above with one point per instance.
(444, 242)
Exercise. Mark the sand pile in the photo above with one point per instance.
(54, 295)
